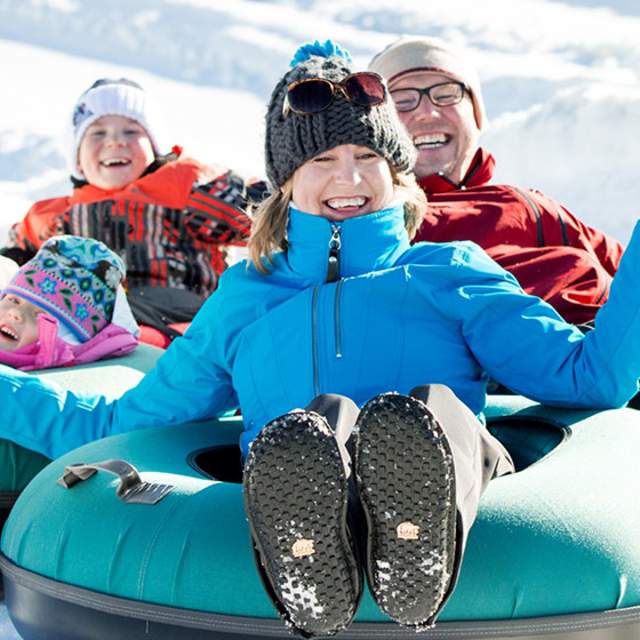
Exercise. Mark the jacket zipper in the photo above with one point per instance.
(333, 275)
(333, 270)
(337, 319)
(314, 338)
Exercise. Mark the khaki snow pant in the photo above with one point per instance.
(478, 457)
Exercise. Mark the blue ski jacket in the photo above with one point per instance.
(395, 316)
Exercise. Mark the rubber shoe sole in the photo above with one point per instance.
(406, 480)
(295, 493)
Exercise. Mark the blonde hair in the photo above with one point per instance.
(269, 230)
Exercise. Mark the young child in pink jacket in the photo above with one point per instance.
(66, 306)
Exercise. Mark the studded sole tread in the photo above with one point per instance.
(406, 480)
(296, 503)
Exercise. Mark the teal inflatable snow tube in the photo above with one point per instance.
(554, 549)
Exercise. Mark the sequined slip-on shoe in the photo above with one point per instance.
(406, 481)
(295, 493)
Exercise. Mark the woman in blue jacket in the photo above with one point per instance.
(336, 301)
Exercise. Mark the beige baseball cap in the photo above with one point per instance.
(424, 53)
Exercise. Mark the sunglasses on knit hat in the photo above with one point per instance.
(443, 94)
(313, 95)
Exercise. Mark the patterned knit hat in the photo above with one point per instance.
(73, 279)
(293, 139)
(106, 97)
(422, 53)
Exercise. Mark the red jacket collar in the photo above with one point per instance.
(479, 173)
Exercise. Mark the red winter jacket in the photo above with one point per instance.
(552, 254)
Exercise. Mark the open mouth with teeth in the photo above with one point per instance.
(349, 204)
(8, 333)
(115, 162)
(431, 140)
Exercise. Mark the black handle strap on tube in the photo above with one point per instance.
(131, 489)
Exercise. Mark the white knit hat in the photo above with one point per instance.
(106, 97)
(422, 53)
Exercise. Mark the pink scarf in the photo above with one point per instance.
(51, 351)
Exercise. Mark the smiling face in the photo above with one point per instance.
(446, 138)
(114, 152)
(18, 322)
(344, 182)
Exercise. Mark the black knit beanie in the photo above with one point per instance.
(293, 139)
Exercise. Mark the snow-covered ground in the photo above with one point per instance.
(7, 632)
(561, 82)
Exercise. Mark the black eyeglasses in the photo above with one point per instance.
(313, 95)
(443, 94)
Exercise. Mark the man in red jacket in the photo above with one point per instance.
(551, 252)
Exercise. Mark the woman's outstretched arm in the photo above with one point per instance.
(523, 342)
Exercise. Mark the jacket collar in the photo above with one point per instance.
(367, 243)
(479, 173)
(169, 186)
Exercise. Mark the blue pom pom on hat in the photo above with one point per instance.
(325, 49)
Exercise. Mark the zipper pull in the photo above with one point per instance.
(333, 271)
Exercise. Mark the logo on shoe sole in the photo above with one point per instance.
(302, 548)
(408, 531)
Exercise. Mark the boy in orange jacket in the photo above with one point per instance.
(169, 218)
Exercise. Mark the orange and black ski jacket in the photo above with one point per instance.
(551, 252)
(171, 226)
